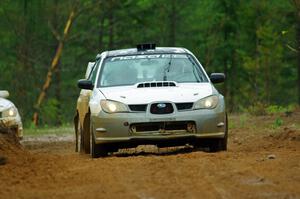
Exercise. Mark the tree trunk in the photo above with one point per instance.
(54, 64)
(101, 47)
(172, 17)
(111, 29)
(225, 54)
(25, 46)
(58, 121)
(298, 65)
(111, 24)
(298, 49)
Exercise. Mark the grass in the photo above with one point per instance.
(63, 130)
(239, 120)
(266, 124)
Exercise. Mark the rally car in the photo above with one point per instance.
(150, 95)
(10, 120)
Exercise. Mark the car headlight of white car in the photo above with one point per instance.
(113, 106)
(10, 112)
(209, 102)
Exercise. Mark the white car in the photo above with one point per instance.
(10, 120)
(149, 95)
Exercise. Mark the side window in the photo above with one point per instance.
(94, 72)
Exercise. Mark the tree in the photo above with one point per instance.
(54, 63)
(297, 6)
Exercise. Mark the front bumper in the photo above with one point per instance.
(11, 124)
(114, 128)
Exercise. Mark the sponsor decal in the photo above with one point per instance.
(153, 56)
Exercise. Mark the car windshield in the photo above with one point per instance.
(129, 70)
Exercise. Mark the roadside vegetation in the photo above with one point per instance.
(46, 45)
(269, 119)
(45, 130)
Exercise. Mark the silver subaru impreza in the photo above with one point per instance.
(150, 95)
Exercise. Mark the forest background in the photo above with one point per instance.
(46, 45)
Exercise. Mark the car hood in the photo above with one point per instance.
(184, 92)
(4, 104)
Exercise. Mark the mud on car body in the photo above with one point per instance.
(10, 120)
(149, 95)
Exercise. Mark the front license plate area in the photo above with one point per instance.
(163, 128)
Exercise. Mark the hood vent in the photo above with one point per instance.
(156, 84)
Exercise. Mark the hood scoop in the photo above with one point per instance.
(156, 84)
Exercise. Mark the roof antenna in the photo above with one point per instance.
(143, 47)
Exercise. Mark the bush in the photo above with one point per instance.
(257, 109)
(275, 109)
(277, 123)
(262, 109)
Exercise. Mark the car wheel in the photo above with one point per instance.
(76, 125)
(86, 134)
(220, 144)
(97, 150)
(80, 140)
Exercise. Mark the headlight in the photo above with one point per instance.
(207, 103)
(11, 112)
(113, 106)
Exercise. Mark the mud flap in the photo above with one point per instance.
(76, 119)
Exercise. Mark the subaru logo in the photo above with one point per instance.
(161, 105)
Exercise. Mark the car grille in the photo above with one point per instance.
(156, 84)
(184, 106)
(180, 126)
(161, 108)
(138, 107)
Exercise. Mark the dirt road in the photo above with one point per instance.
(262, 162)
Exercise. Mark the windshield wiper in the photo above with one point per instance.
(167, 69)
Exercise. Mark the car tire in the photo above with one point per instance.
(220, 144)
(81, 142)
(97, 150)
(86, 134)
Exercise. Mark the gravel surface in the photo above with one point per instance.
(258, 164)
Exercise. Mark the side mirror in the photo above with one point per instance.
(217, 77)
(85, 84)
(4, 94)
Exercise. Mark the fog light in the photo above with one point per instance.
(191, 128)
(221, 124)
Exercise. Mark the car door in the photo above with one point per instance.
(84, 97)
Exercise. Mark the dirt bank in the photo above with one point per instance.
(263, 161)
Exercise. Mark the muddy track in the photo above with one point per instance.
(257, 165)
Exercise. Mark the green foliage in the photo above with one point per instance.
(277, 123)
(275, 109)
(50, 110)
(248, 40)
(257, 109)
(63, 130)
(263, 109)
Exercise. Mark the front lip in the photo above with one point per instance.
(154, 138)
